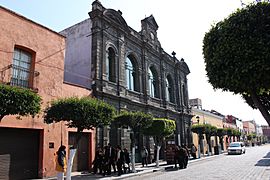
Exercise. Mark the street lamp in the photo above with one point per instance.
(199, 144)
(198, 119)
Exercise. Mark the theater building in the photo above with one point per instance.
(129, 70)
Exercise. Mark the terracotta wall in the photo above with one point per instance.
(48, 47)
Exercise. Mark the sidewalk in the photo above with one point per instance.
(140, 170)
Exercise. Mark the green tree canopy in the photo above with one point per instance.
(229, 131)
(210, 130)
(198, 128)
(221, 132)
(16, 100)
(237, 52)
(82, 113)
(161, 128)
(137, 121)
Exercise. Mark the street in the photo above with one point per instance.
(255, 164)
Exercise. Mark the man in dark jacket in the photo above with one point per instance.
(126, 161)
(176, 155)
(186, 156)
(110, 157)
(181, 157)
(119, 160)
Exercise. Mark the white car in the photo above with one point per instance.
(236, 148)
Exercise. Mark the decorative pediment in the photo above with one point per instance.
(116, 16)
(151, 20)
(183, 66)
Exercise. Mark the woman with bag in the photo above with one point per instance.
(61, 162)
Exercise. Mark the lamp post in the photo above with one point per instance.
(198, 119)
(199, 145)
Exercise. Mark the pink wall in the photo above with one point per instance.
(48, 47)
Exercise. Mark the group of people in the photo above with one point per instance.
(108, 158)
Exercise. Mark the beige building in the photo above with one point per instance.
(249, 126)
(206, 117)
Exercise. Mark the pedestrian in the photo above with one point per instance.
(144, 154)
(181, 157)
(60, 162)
(186, 156)
(193, 151)
(98, 161)
(126, 161)
(155, 154)
(110, 156)
(176, 155)
(119, 160)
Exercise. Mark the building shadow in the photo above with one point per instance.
(265, 161)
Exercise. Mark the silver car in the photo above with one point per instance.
(236, 148)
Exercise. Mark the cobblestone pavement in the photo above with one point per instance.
(254, 165)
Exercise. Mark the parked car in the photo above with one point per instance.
(236, 148)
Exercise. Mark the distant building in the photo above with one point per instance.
(259, 130)
(266, 131)
(207, 117)
(249, 126)
(196, 103)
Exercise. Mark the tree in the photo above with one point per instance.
(237, 51)
(209, 131)
(160, 129)
(220, 133)
(137, 121)
(237, 134)
(229, 133)
(81, 113)
(200, 130)
(15, 100)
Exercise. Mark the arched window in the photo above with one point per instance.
(110, 65)
(21, 68)
(169, 89)
(132, 75)
(153, 83)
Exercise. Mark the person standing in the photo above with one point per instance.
(98, 162)
(193, 151)
(176, 155)
(61, 162)
(126, 161)
(119, 160)
(144, 154)
(110, 157)
(181, 157)
(186, 156)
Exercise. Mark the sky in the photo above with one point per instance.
(182, 26)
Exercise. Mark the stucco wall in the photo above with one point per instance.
(78, 53)
(49, 48)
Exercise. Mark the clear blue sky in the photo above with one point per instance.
(182, 25)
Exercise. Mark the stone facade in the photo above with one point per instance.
(131, 71)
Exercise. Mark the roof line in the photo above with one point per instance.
(23, 17)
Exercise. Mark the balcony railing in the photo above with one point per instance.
(18, 76)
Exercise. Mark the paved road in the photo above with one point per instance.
(254, 165)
